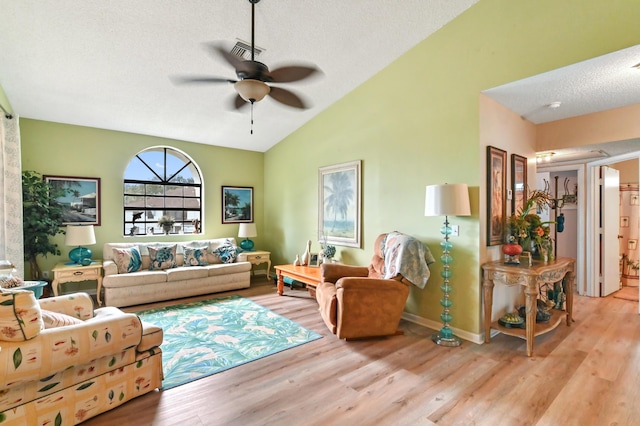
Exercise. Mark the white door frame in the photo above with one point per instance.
(592, 194)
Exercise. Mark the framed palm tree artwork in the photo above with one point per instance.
(339, 204)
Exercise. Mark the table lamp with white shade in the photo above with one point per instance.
(246, 231)
(79, 236)
(446, 200)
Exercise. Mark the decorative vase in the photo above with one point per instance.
(512, 252)
(297, 261)
(167, 228)
(306, 256)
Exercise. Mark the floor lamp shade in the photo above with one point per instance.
(80, 235)
(246, 231)
(446, 200)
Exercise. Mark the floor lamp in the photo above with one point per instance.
(446, 200)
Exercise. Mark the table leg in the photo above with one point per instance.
(531, 297)
(487, 285)
(98, 291)
(280, 283)
(569, 297)
(54, 286)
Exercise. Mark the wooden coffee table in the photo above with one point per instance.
(306, 274)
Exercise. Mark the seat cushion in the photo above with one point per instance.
(152, 336)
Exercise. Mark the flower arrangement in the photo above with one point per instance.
(526, 228)
(328, 250)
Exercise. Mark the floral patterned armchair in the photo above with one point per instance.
(61, 362)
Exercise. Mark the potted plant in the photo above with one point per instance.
(166, 223)
(42, 218)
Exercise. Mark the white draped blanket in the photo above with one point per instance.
(407, 256)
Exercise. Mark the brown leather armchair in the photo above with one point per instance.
(357, 302)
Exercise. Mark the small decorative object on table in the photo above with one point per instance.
(528, 229)
(512, 252)
(306, 256)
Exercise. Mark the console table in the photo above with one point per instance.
(531, 278)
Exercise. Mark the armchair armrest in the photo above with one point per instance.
(332, 272)
(77, 305)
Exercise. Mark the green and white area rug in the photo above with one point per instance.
(210, 336)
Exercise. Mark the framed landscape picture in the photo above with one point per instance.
(339, 203)
(496, 195)
(518, 183)
(237, 204)
(81, 199)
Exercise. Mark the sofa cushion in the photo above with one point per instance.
(227, 268)
(162, 257)
(226, 252)
(182, 273)
(56, 319)
(127, 259)
(20, 315)
(141, 277)
(195, 256)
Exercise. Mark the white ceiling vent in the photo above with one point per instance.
(243, 50)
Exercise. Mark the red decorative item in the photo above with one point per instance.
(512, 251)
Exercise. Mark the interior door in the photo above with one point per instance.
(609, 229)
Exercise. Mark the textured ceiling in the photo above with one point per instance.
(602, 83)
(107, 64)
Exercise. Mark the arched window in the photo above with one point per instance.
(159, 182)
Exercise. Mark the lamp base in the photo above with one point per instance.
(446, 341)
(246, 245)
(78, 254)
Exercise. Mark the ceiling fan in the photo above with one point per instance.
(254, 77)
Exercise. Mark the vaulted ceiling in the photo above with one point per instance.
(108, 64)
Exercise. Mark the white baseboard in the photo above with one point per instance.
(435, 325)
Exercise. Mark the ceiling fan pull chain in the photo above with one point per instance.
(251, 117)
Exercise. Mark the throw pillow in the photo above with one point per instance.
(162, 257)
(56, 319)
(20, 317)
(195, 256)
(127, 260)
(227, 252)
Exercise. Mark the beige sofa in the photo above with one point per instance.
(62, 362)
(146, 286)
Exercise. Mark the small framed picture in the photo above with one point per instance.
(237, 204)
(314, 260)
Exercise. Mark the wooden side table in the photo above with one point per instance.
(530, 277)
(257, 258)
(63, 273)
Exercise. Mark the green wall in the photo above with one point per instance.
(417, 123)
(414, 124)
(60, 149)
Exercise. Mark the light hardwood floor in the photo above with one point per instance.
(586, 374)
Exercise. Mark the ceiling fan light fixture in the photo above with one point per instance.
(252, 90)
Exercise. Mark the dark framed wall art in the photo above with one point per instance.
(237, 204)
(81, 202)
(518, 183)
(496, 195)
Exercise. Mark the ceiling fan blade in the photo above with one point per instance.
(242, 67)
(188, 80)
(292, 73)
(287, 97)
(239, 103)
